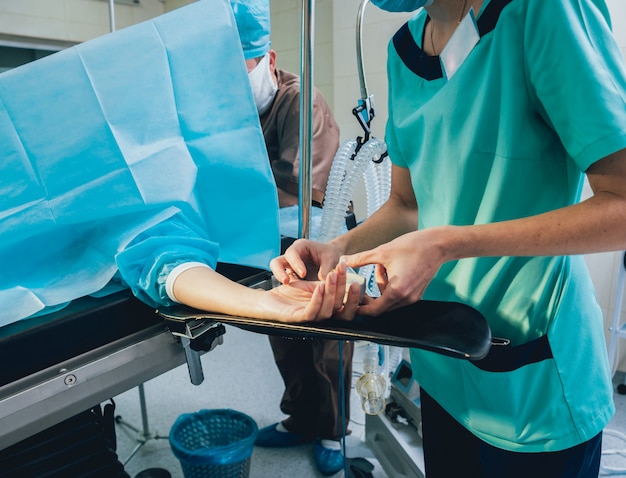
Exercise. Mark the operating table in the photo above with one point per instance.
(61, 364)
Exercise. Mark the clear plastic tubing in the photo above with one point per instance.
(334, 212)
(342, 183)
(376, 176)
(377, 179)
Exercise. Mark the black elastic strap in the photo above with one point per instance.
(506, 358)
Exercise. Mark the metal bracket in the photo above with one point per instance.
(204, 334)
(198, 335)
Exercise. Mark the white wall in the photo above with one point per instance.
(618, 15)
(378, 28)
(67, 22)
(286, 21)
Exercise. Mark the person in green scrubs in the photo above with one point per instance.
(498, 110)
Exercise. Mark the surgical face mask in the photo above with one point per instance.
(264, 87)
(401, 5)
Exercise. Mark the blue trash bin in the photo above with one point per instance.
(214, 443)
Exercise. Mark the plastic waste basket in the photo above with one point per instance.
(214, 443)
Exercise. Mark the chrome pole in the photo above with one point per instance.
(306, 115)
(112, 15)
(359, 49)
(364, 112)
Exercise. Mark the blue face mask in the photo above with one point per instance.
(401, 5)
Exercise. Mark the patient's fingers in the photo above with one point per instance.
(342, 280)
(312, 310)
(351, 304)
(330, 294)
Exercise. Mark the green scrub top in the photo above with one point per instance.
(540, 98)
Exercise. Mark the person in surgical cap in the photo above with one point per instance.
(277, 94)
(309, 368)
(498, 112)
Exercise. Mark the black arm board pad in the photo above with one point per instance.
(449, 328)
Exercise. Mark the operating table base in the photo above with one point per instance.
(143, 435)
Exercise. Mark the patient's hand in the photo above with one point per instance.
(310, 301)
(298, 301)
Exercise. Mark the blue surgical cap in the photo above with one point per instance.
(253, 22)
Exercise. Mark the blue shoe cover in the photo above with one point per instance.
(328, 460)
(272, 438)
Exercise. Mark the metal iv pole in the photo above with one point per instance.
(306, 115)
(144, 434)
(112, 15)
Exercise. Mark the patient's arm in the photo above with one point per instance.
(300, 301)
(149, 263)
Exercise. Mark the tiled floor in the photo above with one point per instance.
(241, 375)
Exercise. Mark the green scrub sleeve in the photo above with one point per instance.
(587, 106)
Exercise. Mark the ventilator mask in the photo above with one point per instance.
(264, 87)
(401, 5)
